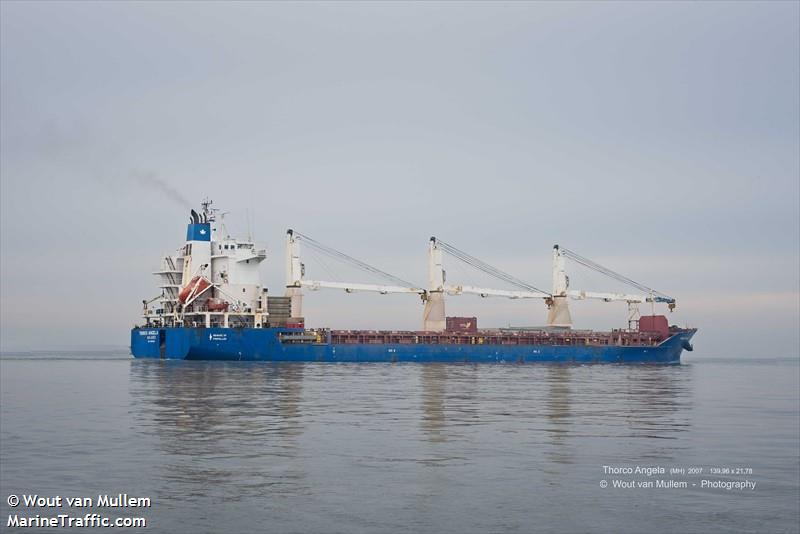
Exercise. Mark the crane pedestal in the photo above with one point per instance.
(559, 315)
(433, 315)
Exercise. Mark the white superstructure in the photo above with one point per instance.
(213, 280)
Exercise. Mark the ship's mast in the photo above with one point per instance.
(209, 213)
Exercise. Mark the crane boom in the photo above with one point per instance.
(608, 297)
(490, 292)
(349, 287)
(295, 274)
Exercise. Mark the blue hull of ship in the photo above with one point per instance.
(263, 344)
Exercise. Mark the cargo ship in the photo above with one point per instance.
(212, 306)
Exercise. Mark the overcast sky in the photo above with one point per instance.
(661, 139)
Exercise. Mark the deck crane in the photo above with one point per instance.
(434, 315)
(295, 274)
(559, 315)
(434, 318)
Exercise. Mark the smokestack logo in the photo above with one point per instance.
(198, 232)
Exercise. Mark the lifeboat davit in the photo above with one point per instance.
(216, 304)
(196, 285)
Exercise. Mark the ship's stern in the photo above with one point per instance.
(160, 343)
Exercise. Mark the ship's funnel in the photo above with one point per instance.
(197, 251)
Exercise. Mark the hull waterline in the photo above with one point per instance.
(264, 344)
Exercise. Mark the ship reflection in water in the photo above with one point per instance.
(216, 423)
(363, 445)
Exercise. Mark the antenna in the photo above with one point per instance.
(249, 232)
(208, 212)
(222, 223)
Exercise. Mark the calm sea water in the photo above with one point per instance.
(223, 447)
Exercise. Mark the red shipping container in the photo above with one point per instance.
(654, 323)
(462, 324)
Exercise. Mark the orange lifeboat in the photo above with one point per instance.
(196, 285)
(215, 304)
